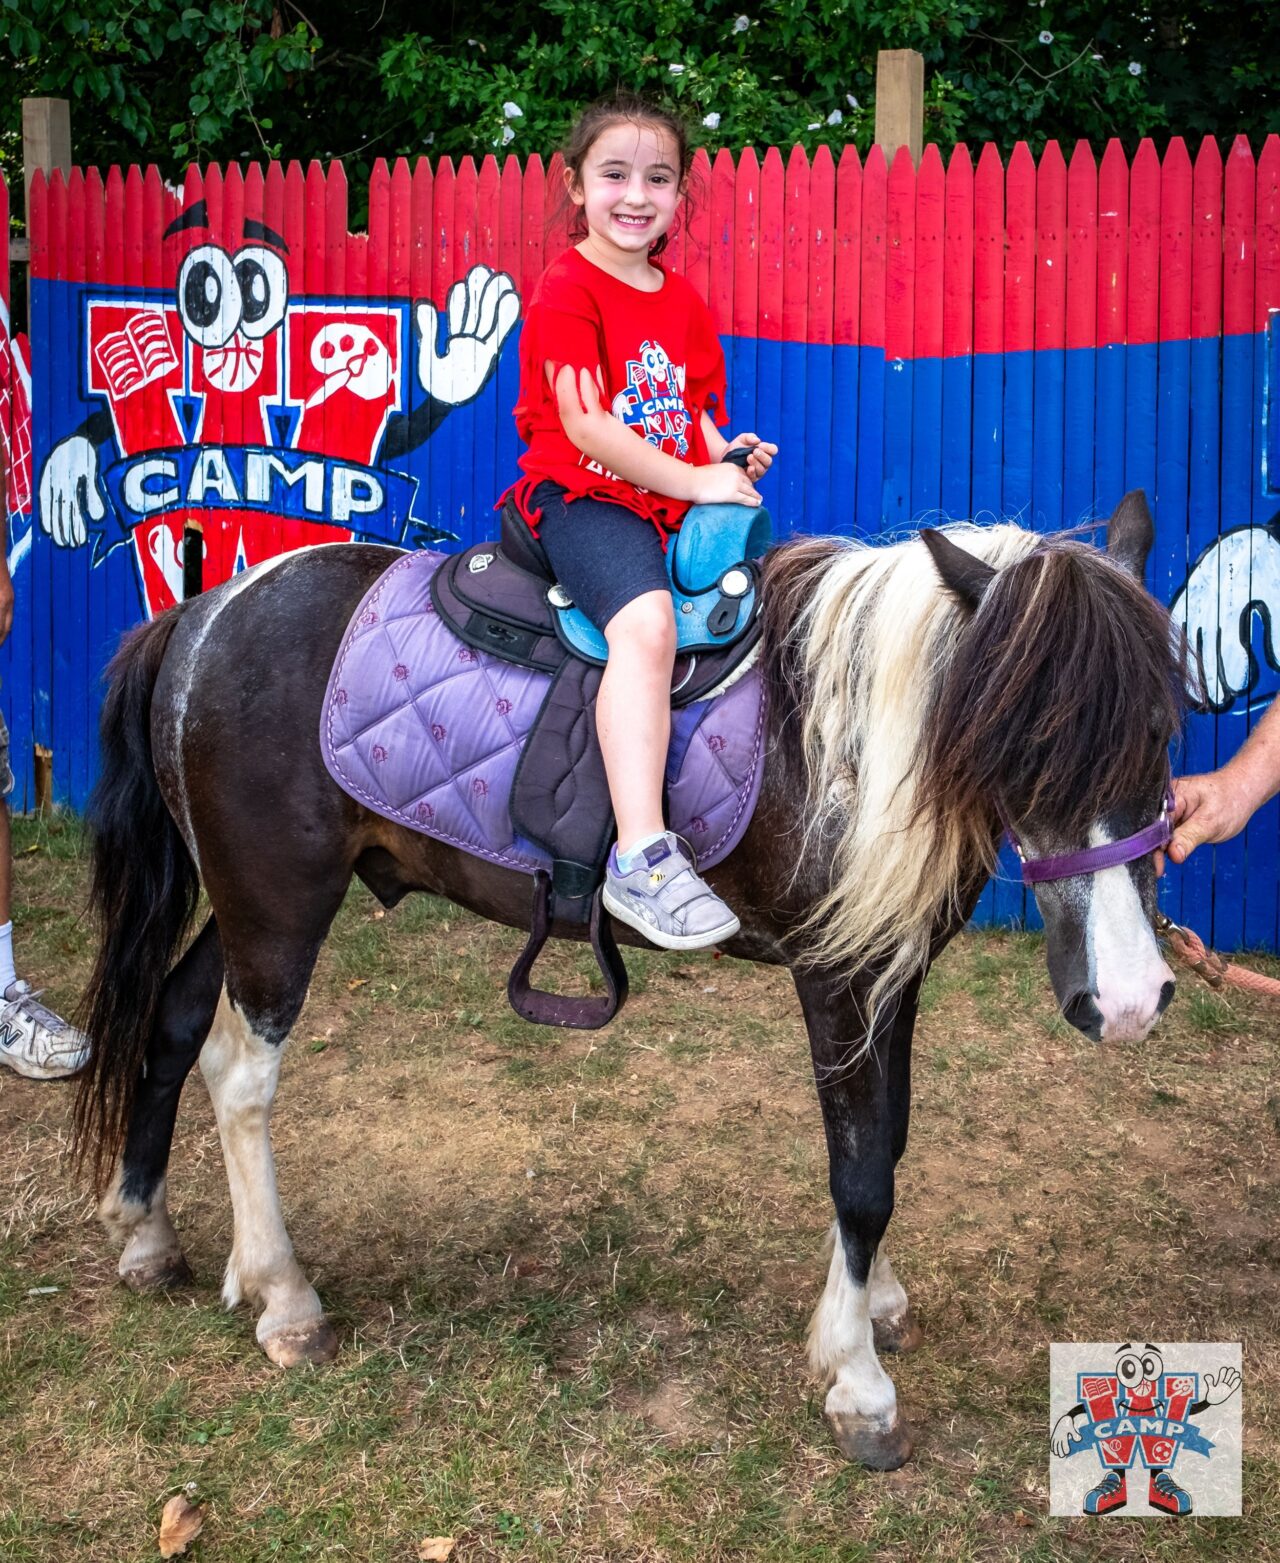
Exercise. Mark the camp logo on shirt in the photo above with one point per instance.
(653, 402)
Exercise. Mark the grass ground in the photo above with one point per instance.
(572, 1273)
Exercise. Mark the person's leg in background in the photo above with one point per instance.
(33, 1040)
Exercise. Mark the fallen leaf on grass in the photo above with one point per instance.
(435, 1549)
(357, 982)
(179, 1526)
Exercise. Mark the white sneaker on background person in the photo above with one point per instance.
(34, 1040)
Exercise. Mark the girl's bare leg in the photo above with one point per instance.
(633, 712)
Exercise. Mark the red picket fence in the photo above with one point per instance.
(938, 261)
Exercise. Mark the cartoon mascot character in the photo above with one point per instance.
(271, 422)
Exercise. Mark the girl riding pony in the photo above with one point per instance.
(614, 347)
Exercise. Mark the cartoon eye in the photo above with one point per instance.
(209, 302)
(654, 360)
(1129, 1370)
(264, 289)
(1152, 1365)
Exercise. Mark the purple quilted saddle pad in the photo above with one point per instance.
(426, 731)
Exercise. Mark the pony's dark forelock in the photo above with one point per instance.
(1062, 697)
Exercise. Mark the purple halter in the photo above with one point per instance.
(1093, 860)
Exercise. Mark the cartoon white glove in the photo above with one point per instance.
(1221, 1386)
(482, 308)
(1065, 1433)
(1240, 569)
(69, 497)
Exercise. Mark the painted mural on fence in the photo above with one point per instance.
(15, 438)
(234, 403)
(989, 337)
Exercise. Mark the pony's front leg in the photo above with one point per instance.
(241, 1065)
(862, 1115)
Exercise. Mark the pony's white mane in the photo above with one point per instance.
(874, 639)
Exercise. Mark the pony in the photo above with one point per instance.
(920, 695)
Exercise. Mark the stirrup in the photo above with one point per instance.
(556, 1009)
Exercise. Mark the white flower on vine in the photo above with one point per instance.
(676, 70)
(508, 135)
(512, 111)
(1134, 68)
(852, 102)
(817, 125)
(835, 117)
(711, 121)
(741, 23)
(1046, 37)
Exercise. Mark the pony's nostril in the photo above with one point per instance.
(1081, 1009)
(1166, 996)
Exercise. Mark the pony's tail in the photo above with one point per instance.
(142, 894)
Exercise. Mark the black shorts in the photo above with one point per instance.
(604, 555)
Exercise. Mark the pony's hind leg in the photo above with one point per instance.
(134, 1208)
(265, 988)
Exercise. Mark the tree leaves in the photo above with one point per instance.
(361, 79)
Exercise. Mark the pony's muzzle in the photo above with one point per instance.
(1126, 1019)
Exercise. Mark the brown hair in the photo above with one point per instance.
(624, 108)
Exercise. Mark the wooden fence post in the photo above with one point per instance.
(46, 138)
(900, 102)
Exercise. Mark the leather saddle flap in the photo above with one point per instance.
(496, 606)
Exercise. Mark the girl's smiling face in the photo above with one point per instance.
(629, 186)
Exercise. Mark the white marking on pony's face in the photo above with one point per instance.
(1129, 973)
(1104, 961)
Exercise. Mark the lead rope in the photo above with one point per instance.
(1215, 969)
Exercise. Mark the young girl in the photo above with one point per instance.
(613, 347)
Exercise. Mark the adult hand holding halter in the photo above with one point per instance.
(1219, 804)
(1214, 807)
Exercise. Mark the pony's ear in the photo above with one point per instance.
(962, 573)
(1131, 532)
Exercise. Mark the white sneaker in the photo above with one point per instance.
(35, 1041)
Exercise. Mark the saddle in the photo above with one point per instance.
(502, 599)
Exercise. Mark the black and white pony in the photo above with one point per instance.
(918, 694)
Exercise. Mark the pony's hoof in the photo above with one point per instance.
(161, 1273)
(899, 1334)
(316, 1342)
(868, 1442)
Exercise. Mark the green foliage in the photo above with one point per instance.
(165, 81)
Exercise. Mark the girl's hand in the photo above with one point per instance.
(762, 454)
(722, 484)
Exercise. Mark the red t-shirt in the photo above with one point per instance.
(657, 360)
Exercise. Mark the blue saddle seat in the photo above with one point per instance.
(714, 583)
